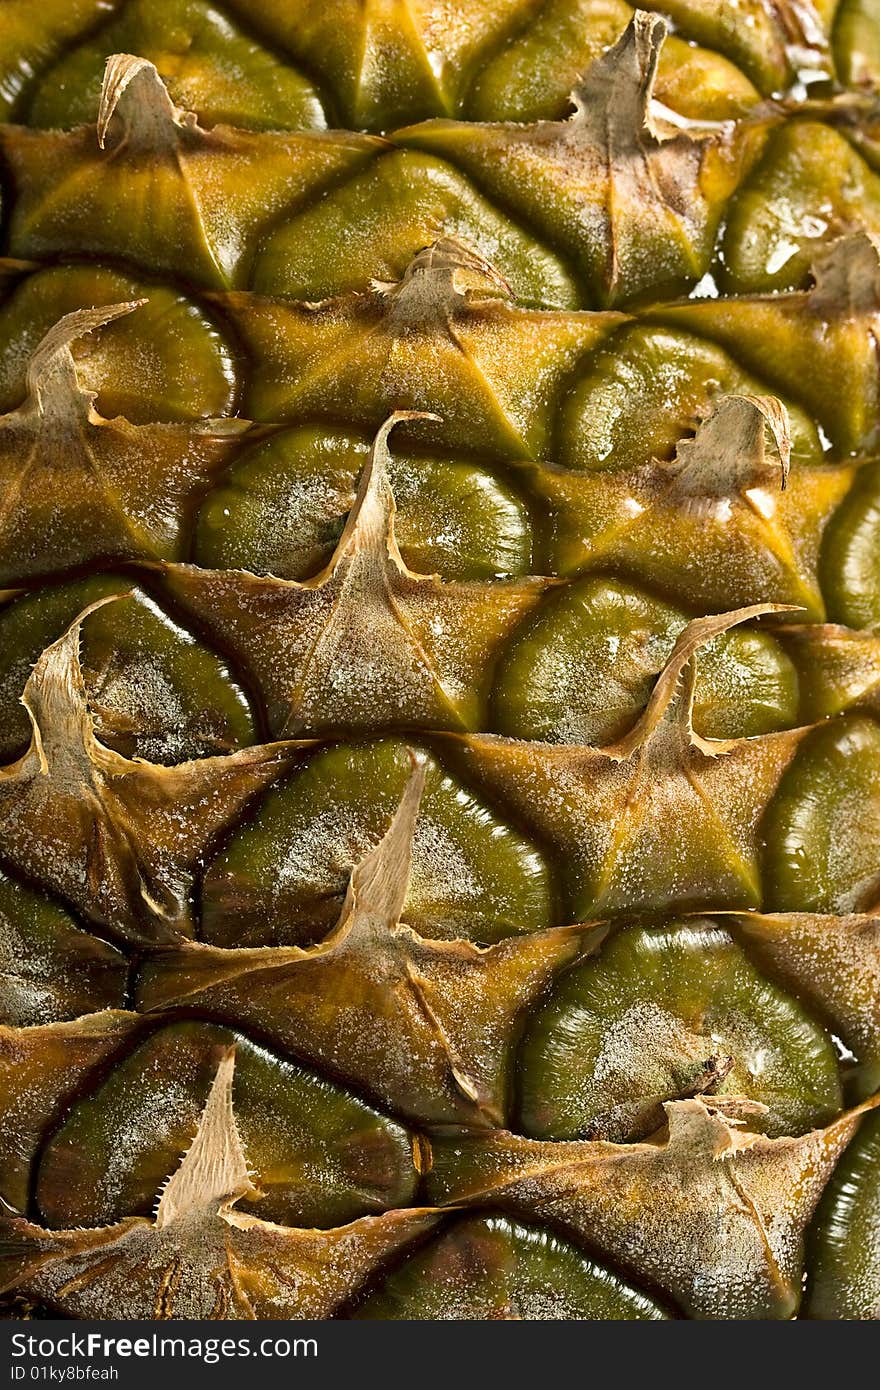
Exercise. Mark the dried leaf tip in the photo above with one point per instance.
(380, 882)
(674, 688)
(51, 382)
(847, 278)
(55, 694)
(742, 442)
(370, 524)
(714, 1127)
(621, 82)
(214, 1171)
(438, 280)
(134, 92)
(614, 101)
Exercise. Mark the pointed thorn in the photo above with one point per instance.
(380, 882)
(52, 359)
(214, 1171)
(147, 107)
(370, 523)
(694, 636)
(625, 73)
(55, 694)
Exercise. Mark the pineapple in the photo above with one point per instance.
(440, 659)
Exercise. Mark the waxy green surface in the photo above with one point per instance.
(155, 691)
(495, 1268)
(661, 1014)
(822, 832)
(614, 275)
(845, 1267)
(318, 1156)
(284, 875)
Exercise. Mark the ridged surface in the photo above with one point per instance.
(440, 506)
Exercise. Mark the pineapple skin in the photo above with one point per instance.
(439, 660)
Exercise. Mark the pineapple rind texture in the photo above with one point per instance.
(440, 659)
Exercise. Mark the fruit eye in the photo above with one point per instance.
(439, 660)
